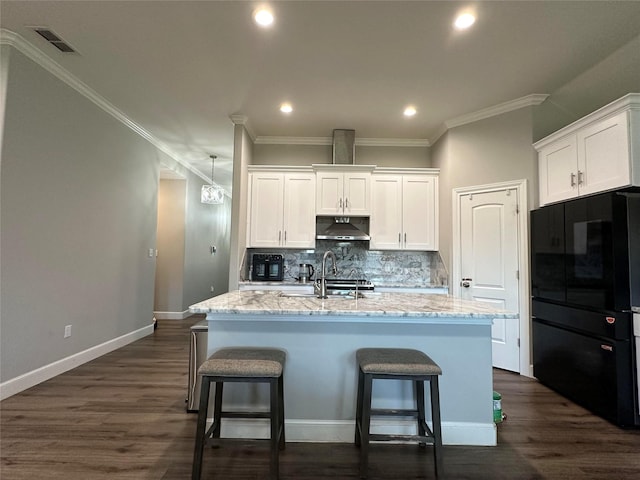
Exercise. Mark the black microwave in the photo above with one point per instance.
(267, 267)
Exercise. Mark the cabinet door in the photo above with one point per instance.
(266, 210)
(603, 155)
(357, 193)
(329, 193)
(385, 225)
(299, 210)
(418, 212)
(557, 164)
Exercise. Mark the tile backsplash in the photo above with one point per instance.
(390, 268)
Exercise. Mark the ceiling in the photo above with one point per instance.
(182, 69)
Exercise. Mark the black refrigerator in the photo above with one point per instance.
(585, 285)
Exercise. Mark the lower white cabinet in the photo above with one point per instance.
(282, 210)
(404, 211)
(597, 153)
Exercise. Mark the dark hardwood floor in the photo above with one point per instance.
(123, 416)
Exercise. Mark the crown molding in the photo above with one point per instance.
(243, 120)
(272, 140)
(360, 142)
(7, 37)
(528, 101)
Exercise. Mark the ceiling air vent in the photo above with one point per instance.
(54, 39)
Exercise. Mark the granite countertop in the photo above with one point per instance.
(272, 302)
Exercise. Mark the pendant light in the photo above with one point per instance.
(212, 194)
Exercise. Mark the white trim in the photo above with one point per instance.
(359, 142)
(243, 120)
(172, 315)
(523, 258)
(341, 431)
(19, 43)
(408, 170)
(280, 168)
(39, 375)
(528, 101)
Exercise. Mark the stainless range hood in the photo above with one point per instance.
(342, 230)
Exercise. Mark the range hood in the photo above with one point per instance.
(344, 147)
(341, 229)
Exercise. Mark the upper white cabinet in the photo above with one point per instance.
(282, 209)
(597, 153)
(404, 210)
(343, 191)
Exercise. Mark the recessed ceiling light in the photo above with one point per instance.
(410, 111)
(286, 108)
(263, 17)
(464, 21)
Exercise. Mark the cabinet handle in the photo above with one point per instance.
(285, 237)
(573, 179)
(399, 238)
(346, 203)
(279, 236)
(405, 239)
(580, 177)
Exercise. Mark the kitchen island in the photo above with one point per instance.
(321, 338)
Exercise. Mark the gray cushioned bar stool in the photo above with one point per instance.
(241, 364)
(397, 364)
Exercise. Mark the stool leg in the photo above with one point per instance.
(435, 416)
(419, 389)
(359, 406)
(196, 471)
(365, 425)
(275, 427)
(217, 410)
(281, 403)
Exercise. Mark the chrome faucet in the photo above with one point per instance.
(323, 279)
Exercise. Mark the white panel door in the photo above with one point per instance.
(357, 193)
(386, 212)
(557, 168)
(418, 218)
(603, 155)
(299, 210)
(329, 191)
(266, 210)
(489, 265)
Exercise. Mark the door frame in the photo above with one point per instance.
(524, 296)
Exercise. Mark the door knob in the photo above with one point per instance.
(466, 282)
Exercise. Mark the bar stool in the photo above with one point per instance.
(397, 364)
(241, 364)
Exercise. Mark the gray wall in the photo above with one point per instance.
(297, 155)
(615, 76)
(78, 216)
(493, 150)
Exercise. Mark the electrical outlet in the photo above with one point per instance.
(67, 331)
(211, 288)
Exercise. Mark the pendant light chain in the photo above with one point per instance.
(213, 159)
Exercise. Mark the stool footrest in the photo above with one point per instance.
(394, 412)
(385, 437)
(243, 414)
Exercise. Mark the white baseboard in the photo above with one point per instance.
(29, 379)
(172, 315)
(342, 431)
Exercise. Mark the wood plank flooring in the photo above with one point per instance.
(123, 417)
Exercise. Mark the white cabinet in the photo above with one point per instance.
(343, 192)
(594, 154)
(404, 212)
(282, 210)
